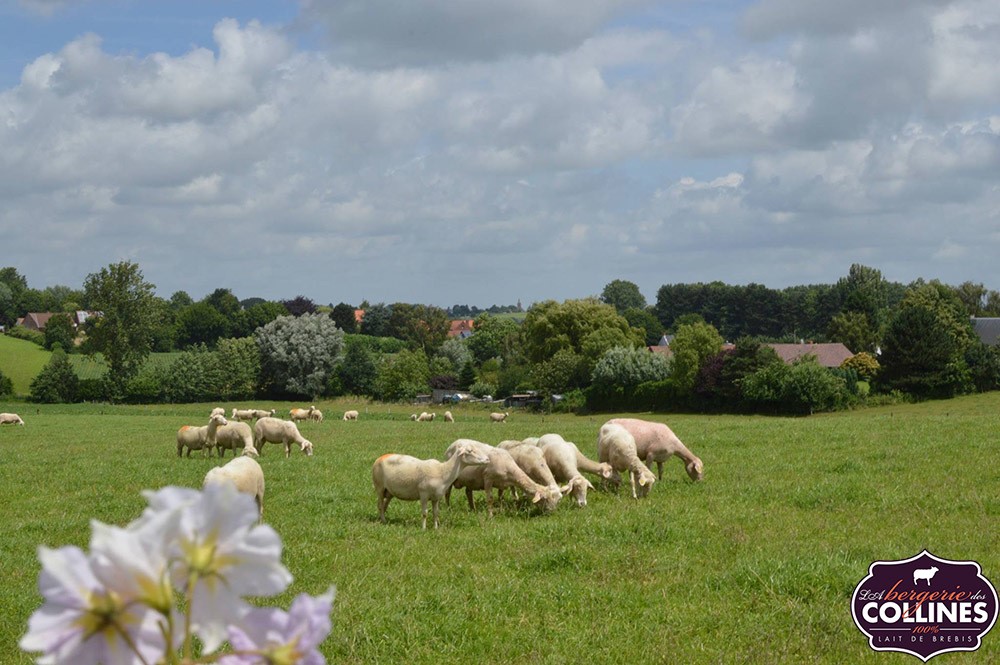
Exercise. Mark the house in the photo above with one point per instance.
(36, 320)
(987, 328)
(359, 314)
(461, 328)
(827, 355)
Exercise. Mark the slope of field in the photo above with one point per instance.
(21, 360)
(756, 564)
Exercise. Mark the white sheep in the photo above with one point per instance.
(10, 419)
(296, 415)
(617, 447)
(243, 473)
(217, 411)
(498, 417)
(262, 413)
(235, 436)
(243, 414)
(274, 430)
(425, 417)
(351, 415)
(655, 442)
(316, 415)
(448, 418)
(560, 455)
(408, 478)
(501, 472)
(414, 417)
(532, 462)
(602, 470)
(924, 574)
(199, 438)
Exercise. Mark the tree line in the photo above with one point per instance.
(912, 340)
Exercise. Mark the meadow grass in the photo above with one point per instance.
(21, 361)
(756, 564)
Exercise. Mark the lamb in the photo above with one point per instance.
(235, 435)
(199, 438)
(261, 413)
(617, 447)
(502, 472)
(350, 415)
(296, 415)
(316, 415)
(448, 418)
(274, 430)
(561, 456)
(10, 419)
(924, 574)
(217, 411)
(245, 475)
(498, 417)
(408, 478)
(243, 414)
(655, 442)
(425, 417)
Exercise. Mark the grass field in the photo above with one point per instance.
(756, 564)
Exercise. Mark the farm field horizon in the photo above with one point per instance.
(755, 564)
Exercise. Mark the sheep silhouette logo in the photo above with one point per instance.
(949, 606)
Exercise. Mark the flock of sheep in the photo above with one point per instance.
(534, 466)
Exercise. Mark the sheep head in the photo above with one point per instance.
(695, 469)
(548, 497)
(577, 486)
(605, 471)
(307, 447)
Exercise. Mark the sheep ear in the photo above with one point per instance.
(538, 497)
(589, 485)
(642, 481)
(566, 489)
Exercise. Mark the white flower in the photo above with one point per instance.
(82, 621)
(217, 552)
(269, 636)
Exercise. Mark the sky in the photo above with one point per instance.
(483, 152)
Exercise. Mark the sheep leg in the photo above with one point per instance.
(423, 509)
(659, 470)
(434, 506)
(635, 479)
(383, 503)
(488, 486)
(468, 495)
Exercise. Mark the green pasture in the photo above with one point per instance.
(756, 564)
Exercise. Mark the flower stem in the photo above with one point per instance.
(130, 642)
(192, 579)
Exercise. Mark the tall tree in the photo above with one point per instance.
(299, 354)
(585, 327)
(124, 330)
(622, 295)
(375, 322)
(299, 305)
(343, 316)
(60, 330)
(692, 345)
(492, 336)
(854, 330)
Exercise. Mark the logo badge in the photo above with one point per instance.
(924, 606)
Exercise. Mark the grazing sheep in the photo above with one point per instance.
(217, 411)
(274, 430)
(561, 455)
(235, 436)
(655, 442)
(243, 414)
(617, 447)
(199, 438)
(351, 415)
(245, 474)
(426, 417)
(316, 415)
(414, 417)
(10, 419)
(408, 478)
(261, 413)
(583, 463)
(448, 418)
(531, 461)
(498, 417)
(502, 472)
(296, 415)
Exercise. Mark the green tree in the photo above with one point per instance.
(627, 367)
(239, 364)
(343, 316)
(564, 371)
(457, 353)
(855, 331)
(586, 328)
(692, 345)
(124, 331)
(467, 376)
(375, 321)
(12, 287)
(260, 314)
(298, 354)
(6, 385)
(646, 321)
(201, 324)
(974, 297)
(359, 370)
(194, 376)
(865, 290)
(984, 366)
(864, 363)
(921, 356)
(402, 376)
(623, 295)
(57, 382)
(492, 337)
(180, 299)
(60, 330)
(423, 327)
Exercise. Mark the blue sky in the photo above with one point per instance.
(482, 152)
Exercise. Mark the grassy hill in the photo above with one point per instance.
(21, 360)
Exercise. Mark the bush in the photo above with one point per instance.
(57, 382)
(572, 402)
(146, 387)
(6, 385)
(91, 390)
(20, 332)
(239, 365)
(403, 376)
(803, 387)
(654, 395)
(298, 354)
(194, 376)
(483, 389)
